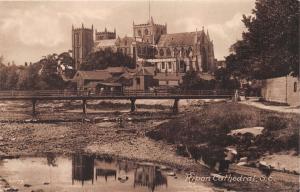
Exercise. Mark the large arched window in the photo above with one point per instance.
(182, 52)
(146, 31)
(189, 51)
(175, 52)
(161, 52)
(168, 52)
(139, 32)
(139, 50)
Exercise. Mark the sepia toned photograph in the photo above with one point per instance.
(149, 96)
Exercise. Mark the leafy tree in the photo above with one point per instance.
(106, 58)
(49, 73)
(192, 81)
(269, 47)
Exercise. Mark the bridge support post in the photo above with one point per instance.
(33, 107)
(84, 107)
(133, 107)
(175, 106)
(235, 98)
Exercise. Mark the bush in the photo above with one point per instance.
(274, 123)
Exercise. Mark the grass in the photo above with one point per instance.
(212, 123)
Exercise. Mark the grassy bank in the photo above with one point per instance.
(210, 125)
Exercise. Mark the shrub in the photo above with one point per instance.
(274, 123)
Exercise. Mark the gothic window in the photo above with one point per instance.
(161, 52)
(138, 81)
(146, 31)
(77, 39)
(175, 52)
(163, 65)
(145, 50)
(295, 87)
(139, 50)
(169, 65)
(155, 52)
(168, 52)
(189, 51)
(182, 52)
(139, 32)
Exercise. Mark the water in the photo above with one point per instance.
(81, 173)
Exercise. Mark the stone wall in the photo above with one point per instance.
(282, 90)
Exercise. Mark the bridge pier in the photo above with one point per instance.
(33, 107)
(175, 106)
(84, 107)
(133, 107)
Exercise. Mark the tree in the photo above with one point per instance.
(192, 81)
(269, 47)
(49, 73)
(106, 58)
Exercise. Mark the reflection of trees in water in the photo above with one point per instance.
(82, 168)
(126, 166)
(106, 173)
(51, 159)
(149, 176)
(105, 167)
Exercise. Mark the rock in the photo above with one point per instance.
(241, 164)
(171, 174)
(46, 183)
(27, 185)
(243, 159)
(38, 190)
(123, 178)
(10, 189)
(1, 138)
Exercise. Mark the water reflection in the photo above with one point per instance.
(149, 176)
(82, 168)
(144, 175)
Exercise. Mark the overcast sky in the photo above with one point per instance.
(30, 30)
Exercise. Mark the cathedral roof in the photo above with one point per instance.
(178, 39)
(105, 43)
(125, 41)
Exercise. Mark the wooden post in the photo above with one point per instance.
(84, 107)
(175, 106)
(33, 107)
(133, 107)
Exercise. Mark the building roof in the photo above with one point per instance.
(177, 39)
(145, 71)
(93, 75)
(105, 43)
(115, 69)
(125, 41)
(120, 70)
(206, 76)
(168, 76)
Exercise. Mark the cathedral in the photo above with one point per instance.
(150, 45)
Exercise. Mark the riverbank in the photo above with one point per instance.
(129, 140)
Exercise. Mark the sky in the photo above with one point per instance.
(32, 29)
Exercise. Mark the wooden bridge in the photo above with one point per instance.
(131, 95)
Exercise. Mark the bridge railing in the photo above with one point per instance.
(69, 93)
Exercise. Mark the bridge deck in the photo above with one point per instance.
(108, 95)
